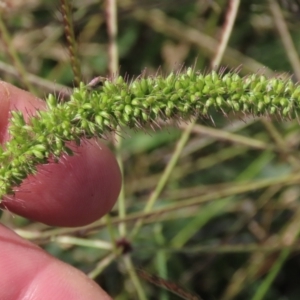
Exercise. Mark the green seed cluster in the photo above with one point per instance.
(136, 104)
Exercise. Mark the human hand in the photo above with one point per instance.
(78, 190)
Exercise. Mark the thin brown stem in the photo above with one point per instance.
(70, 36)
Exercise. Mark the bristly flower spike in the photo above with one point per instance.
(136, 104)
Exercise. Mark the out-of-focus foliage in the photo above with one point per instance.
(238, 170)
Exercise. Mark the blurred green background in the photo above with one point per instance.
(227, 220)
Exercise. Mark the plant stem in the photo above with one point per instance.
(66, 11)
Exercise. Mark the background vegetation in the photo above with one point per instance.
(217, 203)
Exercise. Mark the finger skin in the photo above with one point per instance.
(27, 272)
(74, 192)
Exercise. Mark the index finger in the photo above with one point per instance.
(76, 191)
